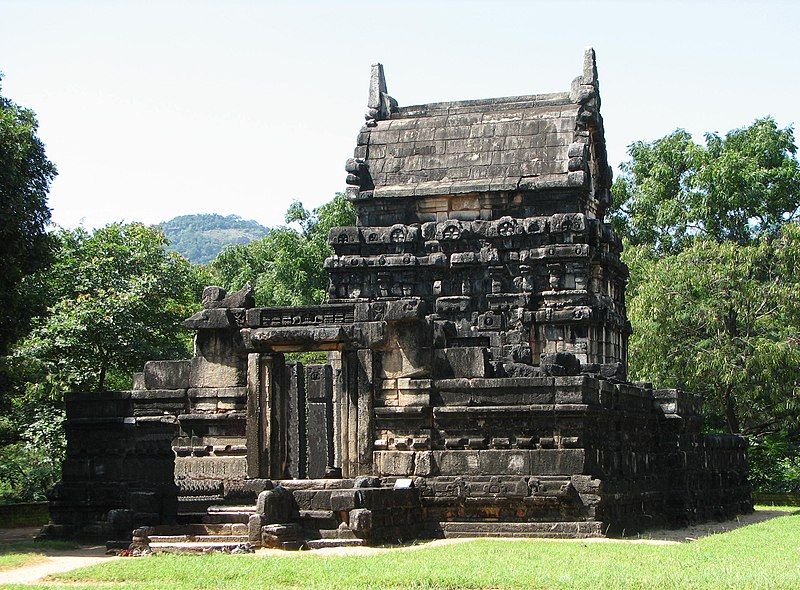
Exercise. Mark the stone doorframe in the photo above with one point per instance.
(267, 411)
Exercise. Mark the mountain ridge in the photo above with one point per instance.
(201, 236)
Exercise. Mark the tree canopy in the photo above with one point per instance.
(723, 320)
(738, 187)
(286, 266)
(713, 244)
(25, 247)
(116, 299)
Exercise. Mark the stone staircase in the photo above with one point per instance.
(221, 528)
(540, 530)
(322, 513)
(216, 520)
(319, 525)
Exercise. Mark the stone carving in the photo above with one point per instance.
(477, 342)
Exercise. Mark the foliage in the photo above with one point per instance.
(763, 555)
(723, 320)
(775, 464)
(286, 266)
(114, 299)
(201, 237)
(117, 299)
(25, 177)
(30, 467)
(737, 187)
(713, 294)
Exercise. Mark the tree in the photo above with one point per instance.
(738, 187)
(286, 266)
(723, 320)
(117, 298)
(712, 244)
(25, 247)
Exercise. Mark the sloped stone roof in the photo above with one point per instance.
(500, 144)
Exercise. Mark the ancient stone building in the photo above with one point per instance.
(476, 338)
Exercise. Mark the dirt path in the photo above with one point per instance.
(52, 562)
(698, 531)
(55, 563)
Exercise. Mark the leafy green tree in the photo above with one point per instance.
(737, 187)
(286, 266)
(25, 247)
(117, 299)
(712, 245)
(31, 465)
(723, 320)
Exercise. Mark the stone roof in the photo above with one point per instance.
(500, 144)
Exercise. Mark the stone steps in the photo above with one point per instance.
(329, 543)
(318, 519)
(222, 514)
(551, 530)
(222, 527)
(196, 530)
(200, 546)
(172, 539)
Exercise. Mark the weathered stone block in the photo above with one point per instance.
(557, 461)
(360, 520)
(275, 505)
(138, 381)
(511, 462)
(344, 500)
(458, 462)
(465, 361)
(425, 464)
(167, 374)
(217, 373)
(560, 363)
(394, 462)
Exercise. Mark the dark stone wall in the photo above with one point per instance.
(566, 449)
(119, 466)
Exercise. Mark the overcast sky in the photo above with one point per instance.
(152, 110)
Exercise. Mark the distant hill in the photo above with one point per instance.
(201, 237)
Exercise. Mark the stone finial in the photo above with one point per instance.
(215, 297)
(589, 67)
(379, 104)
(377, 86)
(212, 294)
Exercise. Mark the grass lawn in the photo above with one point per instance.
(20, 553)
(763, 555)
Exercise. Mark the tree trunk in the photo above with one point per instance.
(101, 381)
(731, 419)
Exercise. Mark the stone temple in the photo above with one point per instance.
(475, 383)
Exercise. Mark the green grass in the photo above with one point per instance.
(764, 555)
(21, 553)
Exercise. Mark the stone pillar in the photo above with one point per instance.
(319, 419)
(296, 420)
(350, 415)
(366, 429)
(335, 361)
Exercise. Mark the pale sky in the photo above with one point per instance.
(157, 109)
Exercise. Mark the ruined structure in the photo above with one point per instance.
(476, 337)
